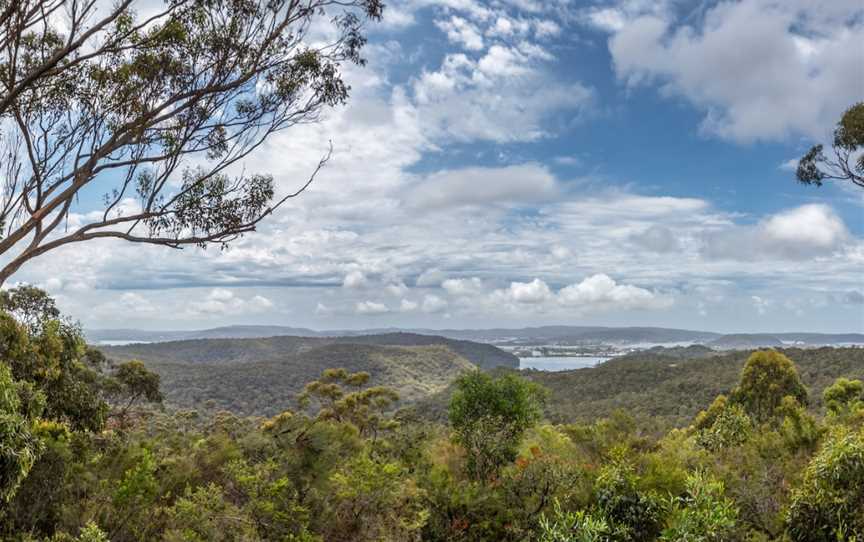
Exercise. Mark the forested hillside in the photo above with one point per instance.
(215, 351)
(266, 388)
(667, 386)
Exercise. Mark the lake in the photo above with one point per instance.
(559, 363)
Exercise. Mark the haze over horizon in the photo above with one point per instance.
(521, 163)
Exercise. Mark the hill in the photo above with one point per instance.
(261, 376)
(225, 332)
(670, 388)
(217, 351)
(744, 341)
(268, 386)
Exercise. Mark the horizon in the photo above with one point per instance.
(412, 329)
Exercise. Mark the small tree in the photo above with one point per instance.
(365, 408)
(767, 378)
(30, 305)
(490, 415)
(129, 383)
(843, 394)
(847, 164)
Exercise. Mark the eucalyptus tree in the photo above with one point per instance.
(846, 161)
(150, 105)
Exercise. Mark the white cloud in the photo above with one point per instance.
(370, 307)
(430, 277)
(535, 291)
(802, 65)
(802, 233)
(354, 279)
(433, 304)
(397, 289)
(761, 305)
(602, 292)
(463, 287)
(408, 306)
(504, 96)
(222, 302)
(462, 32)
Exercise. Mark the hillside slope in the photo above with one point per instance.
(670, 388)
(268, 386)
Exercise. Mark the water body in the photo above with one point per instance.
(559, 363)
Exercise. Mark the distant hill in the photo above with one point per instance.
(670, 388)
(744, 341)
(226, 332)
(562, 335)
(218, 351)
(268, 386)
(578, 334)
(262, 376)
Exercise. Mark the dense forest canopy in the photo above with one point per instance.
(88, 454)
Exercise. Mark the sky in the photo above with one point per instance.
(524, 162)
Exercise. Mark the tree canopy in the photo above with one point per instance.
(847, 162)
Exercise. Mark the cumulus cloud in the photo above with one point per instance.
(222, 301)
(430, 277)
(535, 291)
(462, 32)
(803, 70)
(602, 292)
(802, 233)
(397, 289)
(354, 279)
(463, 287)
(501, 97)
(598, 292)
(370, 307)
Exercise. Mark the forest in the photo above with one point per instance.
(89, 452)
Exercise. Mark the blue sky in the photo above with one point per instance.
(519, 162)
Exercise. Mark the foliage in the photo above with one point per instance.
(843, 395)
(19, 447)
(829, 505)
(847, 164)
(702, 514)
(767, 378)
(634, 513)
(730, 427)
(578, 526)
(363, 408)
(489, 416)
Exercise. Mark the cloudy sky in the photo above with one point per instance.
(522, 162)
